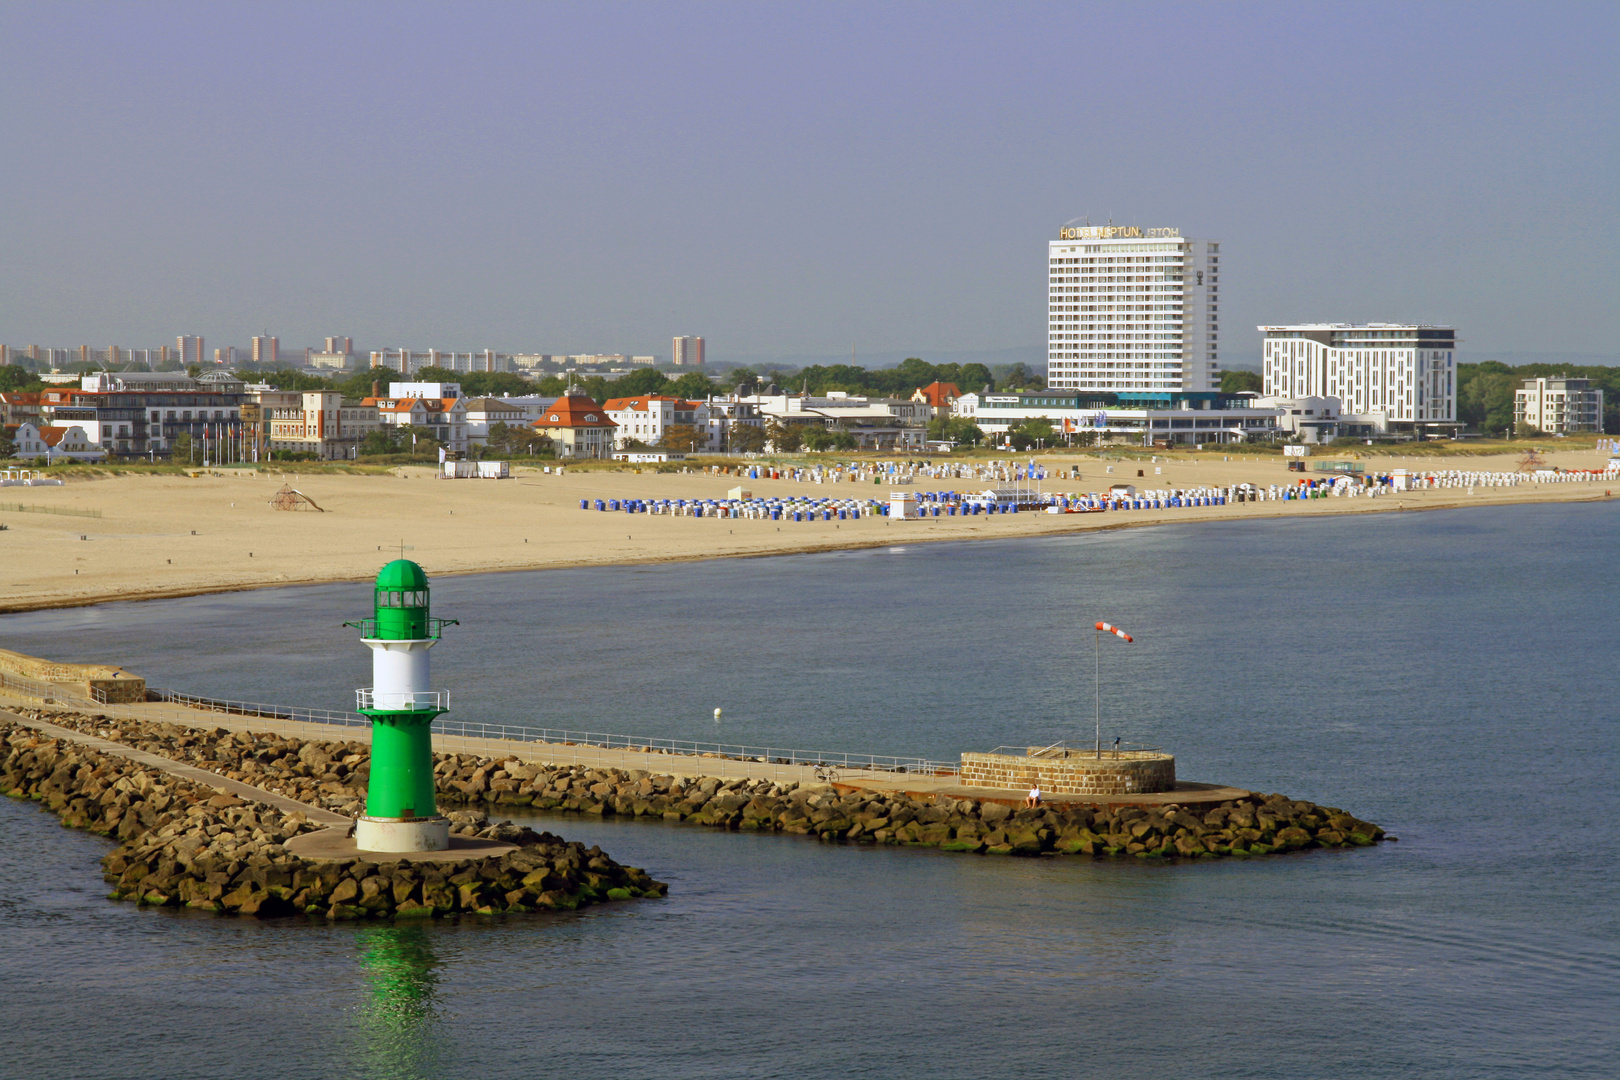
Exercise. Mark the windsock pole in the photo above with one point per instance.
(1097, 685)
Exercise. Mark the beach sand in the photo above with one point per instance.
(179, 536)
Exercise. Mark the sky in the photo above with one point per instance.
(795, 180)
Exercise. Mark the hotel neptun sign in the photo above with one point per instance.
(1115, 232)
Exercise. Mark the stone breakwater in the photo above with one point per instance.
(332, 775)
(186, 845)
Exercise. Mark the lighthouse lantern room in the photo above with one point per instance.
(401, 811)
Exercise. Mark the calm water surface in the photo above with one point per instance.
(1451, 675)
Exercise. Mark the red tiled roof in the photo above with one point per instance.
(574, 411)
(938, 394)
(50, 436)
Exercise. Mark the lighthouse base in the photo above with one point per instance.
(400, 834)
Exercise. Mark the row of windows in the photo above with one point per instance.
(408, 598)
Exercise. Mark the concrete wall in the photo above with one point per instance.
(115, 683)
(1073, 772)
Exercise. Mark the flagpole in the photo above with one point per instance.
(1097, 688)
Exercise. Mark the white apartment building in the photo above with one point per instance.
(1558, 405)
(1389, 377)
(511, 411)
(1132, 310)
(645, 419)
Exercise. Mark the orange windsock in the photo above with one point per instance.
(1116, 631)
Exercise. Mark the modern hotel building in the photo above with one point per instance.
(1132, 311)
(1388, 377)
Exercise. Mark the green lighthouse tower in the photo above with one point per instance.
(401, 813)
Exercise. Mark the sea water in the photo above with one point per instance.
(1450, 675)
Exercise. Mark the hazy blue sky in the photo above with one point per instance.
(790, 179)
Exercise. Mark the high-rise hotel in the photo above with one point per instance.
(1132, 310)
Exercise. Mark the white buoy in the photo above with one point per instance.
(717, 716)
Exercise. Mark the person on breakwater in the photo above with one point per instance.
(1033, 799)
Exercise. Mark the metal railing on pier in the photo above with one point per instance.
(462, 736)
(1110, 751)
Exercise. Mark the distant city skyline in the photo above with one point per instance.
(887, 177)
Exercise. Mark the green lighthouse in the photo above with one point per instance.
(401, 813)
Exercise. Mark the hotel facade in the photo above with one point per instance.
(1388, 377)
(1132, 311)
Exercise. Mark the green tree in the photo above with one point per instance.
(816, 438)
(1240, 382)
(694, 386)
(8, 445)
(384, 441)
(434, 373)
(359, 383)
(183, 450)
(973, 378)
(958, 430)
(746, 438)
(1037, 431)
(297, 381)
(683, 437)
(639, 383)
(495, 384)
(517, 440)
(784, 438)
(14, 377)
(1485, 400)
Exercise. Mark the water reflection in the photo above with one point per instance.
(401, 1014)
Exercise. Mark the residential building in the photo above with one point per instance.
(938, 396)
(876, 423)
(727, 413)
(688, 351)
(513, 412)
(319, 422)
(190, 349)
(1132, 310)
(1558, 405)
(344, 345)
(438, 407)
(1392, 378)
(56, 443)
(145, 419)
(577, 426)
(19, 407)
(1145, 418)
(330, 361)
(266, 351)
(648, 418)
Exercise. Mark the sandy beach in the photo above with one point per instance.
(163, 536)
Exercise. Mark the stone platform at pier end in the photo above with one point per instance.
(1058, 770)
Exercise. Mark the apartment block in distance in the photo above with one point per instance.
(1558, 405)
(688, 351)
(1132, 311)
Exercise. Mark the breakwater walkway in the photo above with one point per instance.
(914, 777)
(203, 777)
